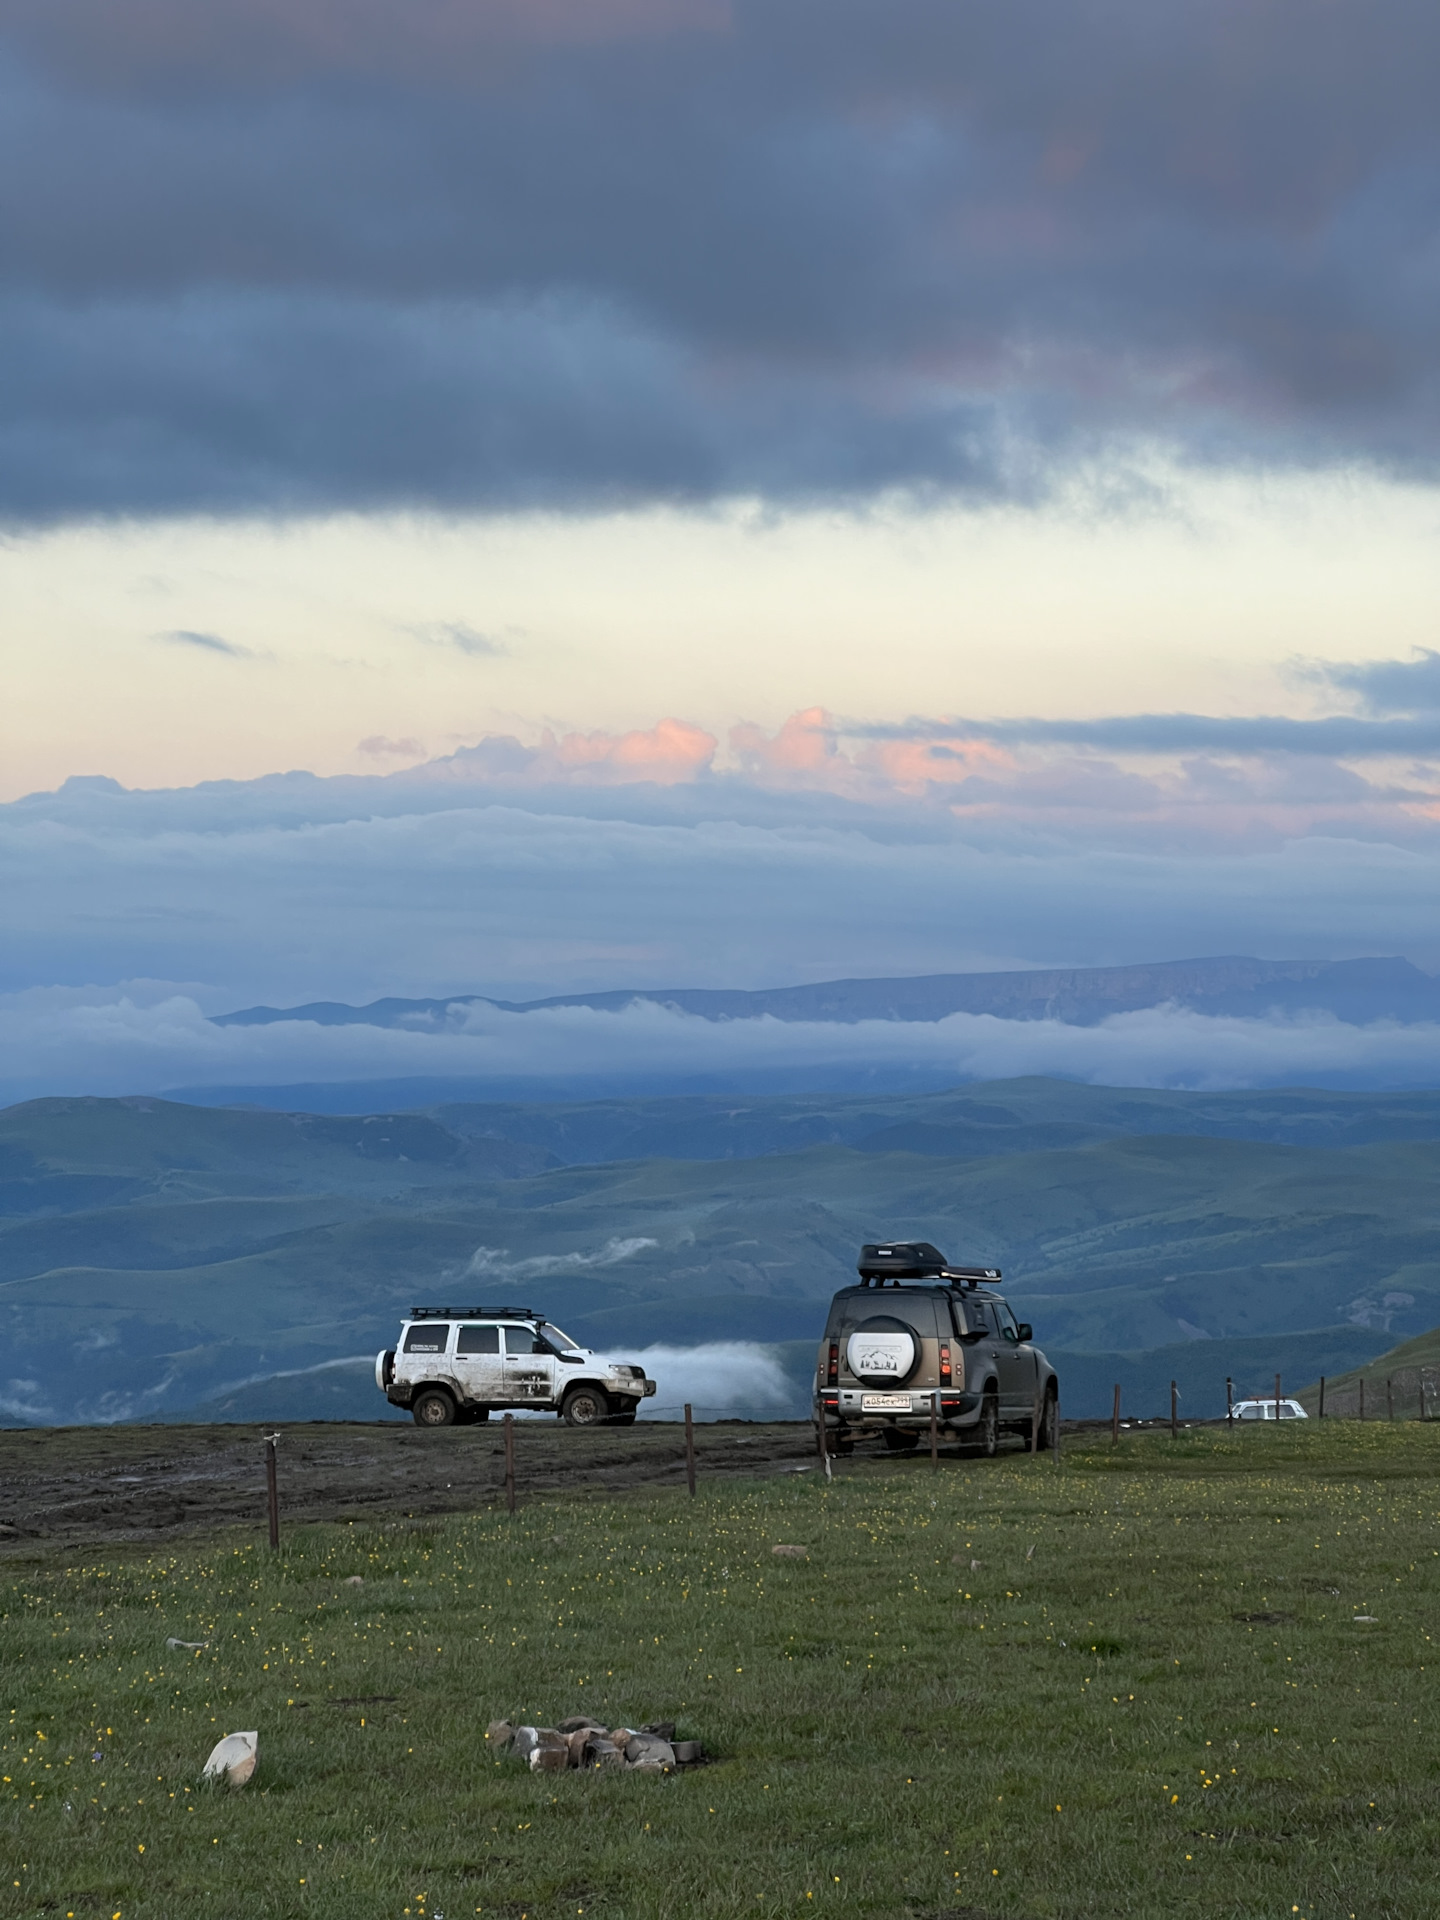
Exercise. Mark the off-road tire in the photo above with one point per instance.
(1049, 1414)
(433, 1408)
(900, 1439)
(987, 1430)
(585, 1406)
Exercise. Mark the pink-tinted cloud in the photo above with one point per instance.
(811, 750)
(668, 754)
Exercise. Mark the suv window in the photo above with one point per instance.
(431, 1337)
(1005, 1321)
(524, 1340)
(919, 1309)
(478, 1340)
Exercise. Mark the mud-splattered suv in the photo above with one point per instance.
(917, 1331)
(455, 1365)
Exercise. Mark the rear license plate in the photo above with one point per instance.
(877, 1400)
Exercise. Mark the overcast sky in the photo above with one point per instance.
(715, 492)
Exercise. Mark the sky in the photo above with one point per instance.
(517, 498)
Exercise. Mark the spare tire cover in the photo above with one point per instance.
(883, 1351)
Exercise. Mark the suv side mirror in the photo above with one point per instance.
(1025, 1331)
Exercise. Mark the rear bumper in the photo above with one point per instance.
(845, 1409)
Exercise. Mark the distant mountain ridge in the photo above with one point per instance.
(1355, 991)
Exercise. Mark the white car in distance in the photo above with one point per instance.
(1265, 1410)
(456, 1365)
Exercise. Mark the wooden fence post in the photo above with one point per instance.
(1229, 1401)
(1035, 1421)
(1362, 1396)
(1174, 1412)
(273, 1491)
(1389, 1402)
(1055, 1431)
(510, 1461)
(935, 1430)
(1115, 1419)
(1277, 1396)
(1321, 1414)
(690, 1448)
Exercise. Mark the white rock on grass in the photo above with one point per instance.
(233, 1759)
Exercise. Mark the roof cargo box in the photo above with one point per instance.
(901, 1260)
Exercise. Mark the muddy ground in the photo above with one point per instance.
(70, 1487)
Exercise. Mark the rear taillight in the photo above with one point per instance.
(944, 1363)
(832, 1371)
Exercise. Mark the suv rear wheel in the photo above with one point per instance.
(433, 1408)
(584, 1407)
(987, 1431)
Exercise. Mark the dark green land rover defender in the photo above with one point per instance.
(917, 1333)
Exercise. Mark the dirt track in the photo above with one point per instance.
(80, 1485)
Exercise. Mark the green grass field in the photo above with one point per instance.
(1132, 1684)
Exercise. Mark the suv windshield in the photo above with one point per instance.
(560, 1341)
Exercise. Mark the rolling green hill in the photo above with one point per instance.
(156, 1257)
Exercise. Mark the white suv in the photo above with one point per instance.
(457, 1364)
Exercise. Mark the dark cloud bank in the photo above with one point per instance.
(337, 253)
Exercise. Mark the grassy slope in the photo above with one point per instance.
(1406, 1368)
(228, 1244)
(1131, 1686)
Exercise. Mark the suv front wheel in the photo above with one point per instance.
(433, 1408)
(584, 1407)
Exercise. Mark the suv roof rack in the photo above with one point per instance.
(961, 1277)
(476, 1313)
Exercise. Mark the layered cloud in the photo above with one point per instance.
(338, 253)
(664, 856)
(141, 1041)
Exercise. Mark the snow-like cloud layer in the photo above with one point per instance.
(71, 1042)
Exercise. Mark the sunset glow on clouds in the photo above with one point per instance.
(564, 484)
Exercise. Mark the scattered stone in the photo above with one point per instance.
(791, 1552)
(1029, 1553)
(557, 1539)
(974, 1566)
(355, 1580)
(582, 1742)
(233, 1759)
(187, 1646)
(1366, 1620)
